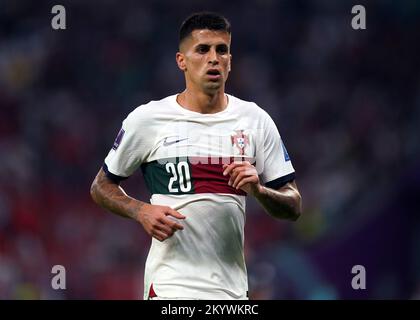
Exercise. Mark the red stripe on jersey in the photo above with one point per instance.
(208, 177)
(152, 293)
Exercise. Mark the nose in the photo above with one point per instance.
(213, 60)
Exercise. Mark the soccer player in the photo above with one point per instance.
(201, 152)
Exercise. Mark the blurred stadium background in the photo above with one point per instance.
(347, 104)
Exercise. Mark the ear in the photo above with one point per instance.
(230, 63)
(180, 60)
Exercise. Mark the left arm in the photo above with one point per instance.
(284, 203)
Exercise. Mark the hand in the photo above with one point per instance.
(156, 223)
(243, 175)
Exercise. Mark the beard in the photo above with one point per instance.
(211, 86)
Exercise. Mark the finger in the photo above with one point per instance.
(241, 175)
(159, 235)
(234, 173)
(226, 169)
(165, 229)
(245, 181)
(225, 165)
(230, 167)
(174, 213)
(246, 172)
(233, 166)
(172, 224)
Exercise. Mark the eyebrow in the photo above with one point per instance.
(206, 45)
(222, 45)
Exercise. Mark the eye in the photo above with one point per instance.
(202, 49)
(222, 49)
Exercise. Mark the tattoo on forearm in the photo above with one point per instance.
(112, 197)
(284, 204)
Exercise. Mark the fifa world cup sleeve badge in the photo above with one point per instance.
(118, 139)
(240, 140)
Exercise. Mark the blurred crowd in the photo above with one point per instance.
(346, 102)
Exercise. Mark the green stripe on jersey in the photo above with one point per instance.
(168, 176)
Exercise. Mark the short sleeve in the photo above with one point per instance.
(128, 150)
(277, 167)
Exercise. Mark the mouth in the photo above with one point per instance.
(213, 73)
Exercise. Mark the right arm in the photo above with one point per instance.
(109, 195)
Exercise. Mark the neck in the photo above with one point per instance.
(203, 102)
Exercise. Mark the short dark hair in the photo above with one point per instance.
(203, 20)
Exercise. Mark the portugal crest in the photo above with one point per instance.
(240, 140)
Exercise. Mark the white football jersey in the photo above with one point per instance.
(181, 154)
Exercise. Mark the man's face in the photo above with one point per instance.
(205, 58)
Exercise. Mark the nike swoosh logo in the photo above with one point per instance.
(168, 143)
